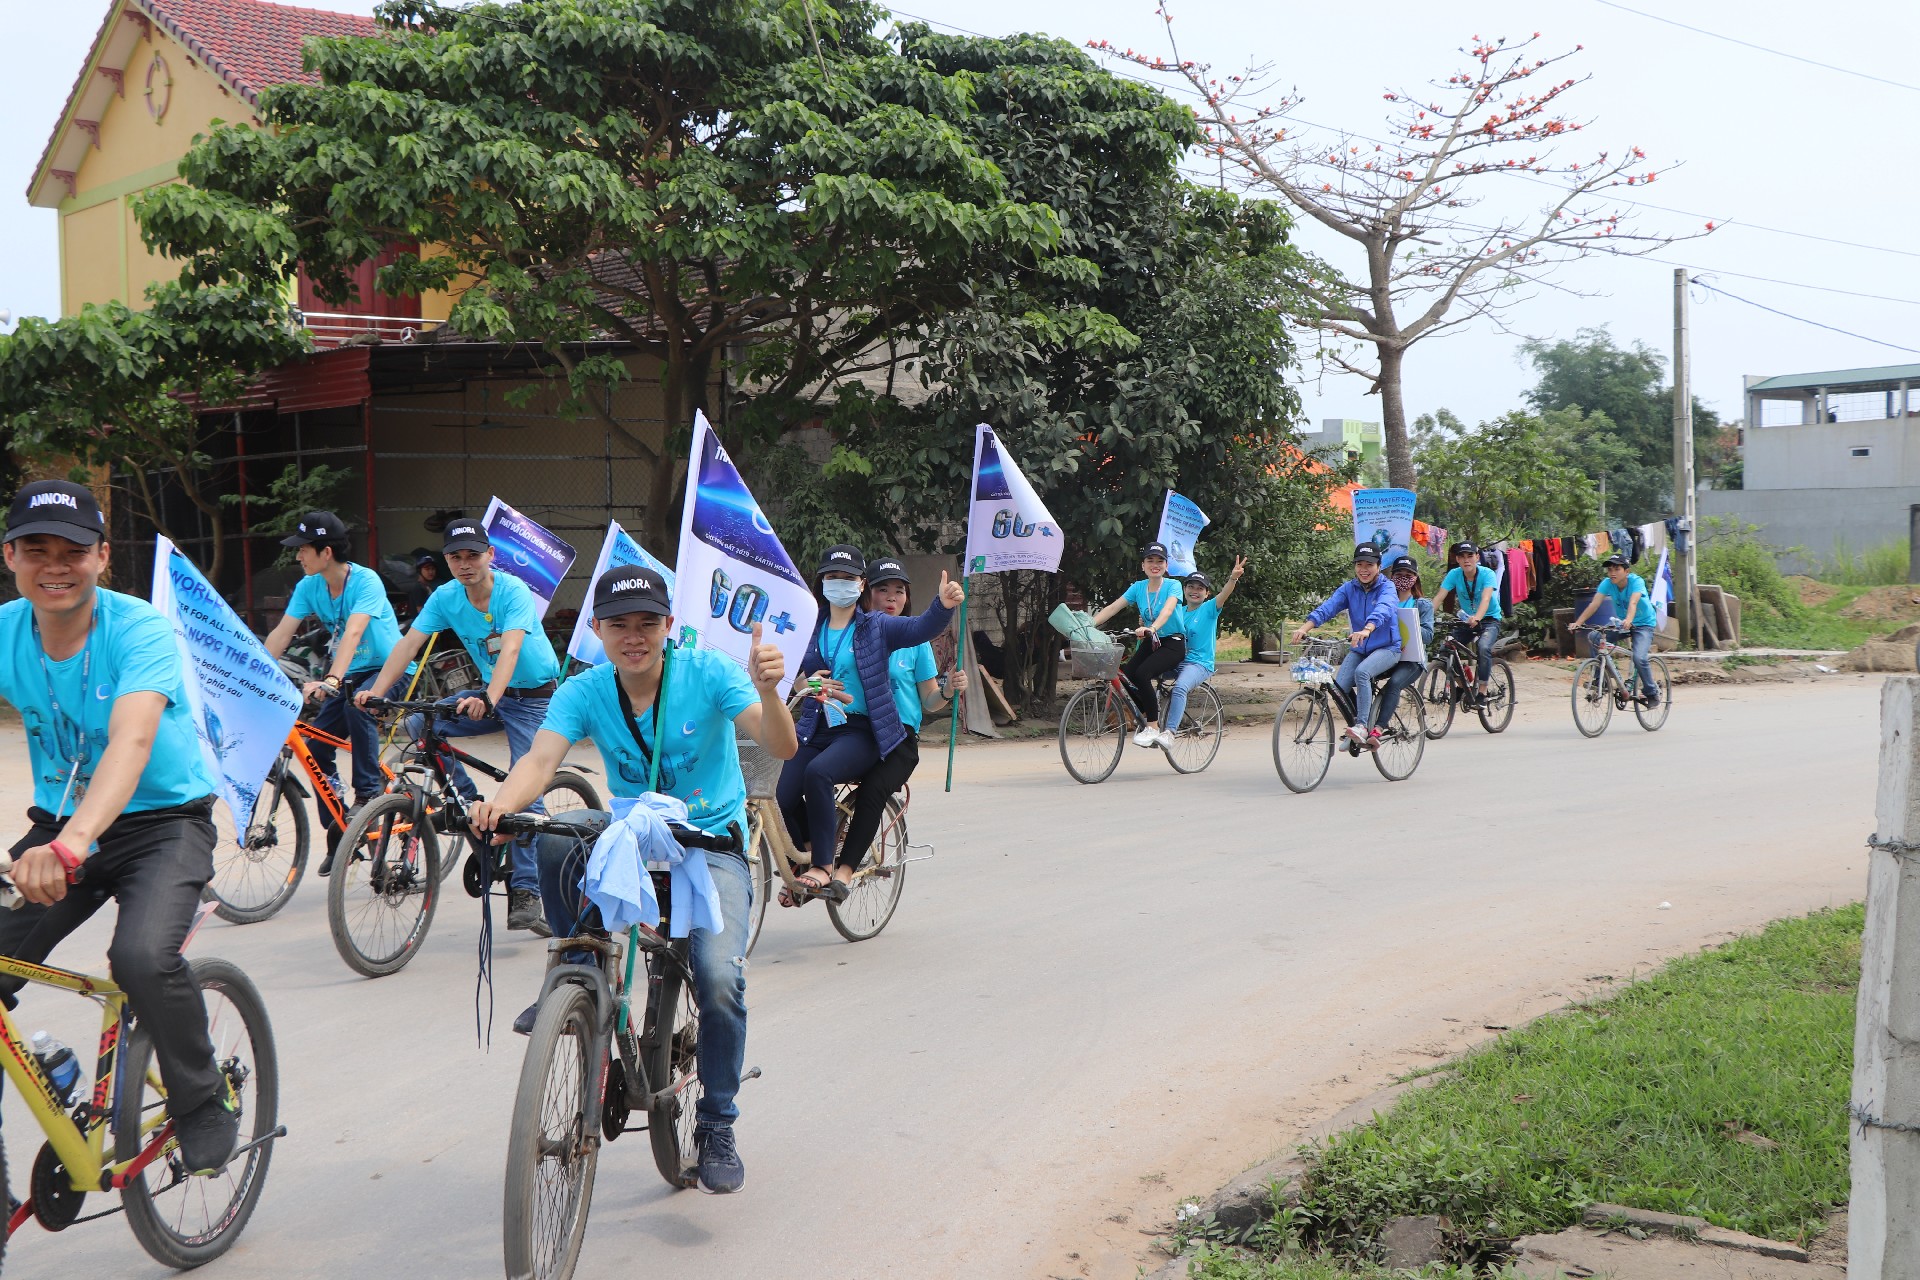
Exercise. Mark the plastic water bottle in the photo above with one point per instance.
(62, 1068)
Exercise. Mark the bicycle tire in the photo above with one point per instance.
(872, 898)
(248, 884)
(672, 1043)
(1591, 698)
(1403, 742)
(1438, 688)
(253, 1068)
(1197, 739)
(374, 864)
(1092, 716)
(1496, 713)
(1305, 722)
(1651, 718)
(541, 1234)
(763, 877)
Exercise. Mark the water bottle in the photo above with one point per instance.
(62, 1068)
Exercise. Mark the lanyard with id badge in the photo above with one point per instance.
(835, 713)
(69, 734)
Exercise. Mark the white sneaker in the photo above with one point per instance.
(1358, 734)
(1163, 740)
(1144, 738)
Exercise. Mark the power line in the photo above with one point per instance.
(1879, 342)
(1791, 284)
(1748, 44)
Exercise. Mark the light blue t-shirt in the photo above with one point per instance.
(701, 765)
(836, 646)
(1150, 602)
(1201, 626)
(1643, 615)
(908, 667)
(1466, 601)
(361, 594)
(131, 650)
(511, 608)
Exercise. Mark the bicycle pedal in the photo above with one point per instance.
(751, 1073)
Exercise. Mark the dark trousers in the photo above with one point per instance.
(1483, 638)
(1148, 663)
(338, 716)
(870, 800)
(1398, 680)
(807, 782)
(155, 864)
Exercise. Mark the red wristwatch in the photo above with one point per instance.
(68, 858)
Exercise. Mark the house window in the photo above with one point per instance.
(1862, 452)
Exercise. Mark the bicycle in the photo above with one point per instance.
(1098, 720)
(1304, 730)
(180, 1219)
(1598, 687)
(1444, 685)
(387, 867)
(588, 1070)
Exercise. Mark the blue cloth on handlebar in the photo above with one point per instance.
(617, 880)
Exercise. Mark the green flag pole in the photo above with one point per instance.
(959, 664)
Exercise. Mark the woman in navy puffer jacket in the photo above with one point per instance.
(843, 731)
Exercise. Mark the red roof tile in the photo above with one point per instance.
(250, 43)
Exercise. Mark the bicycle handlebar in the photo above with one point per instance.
(533, 824)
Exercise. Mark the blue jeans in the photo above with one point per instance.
(520, 719)
(718, 961)
(1191, 674)
(1485, 636)
(844, 753)
(1377, 663)
(1642, 646)
(337, 715)
(1402, 676)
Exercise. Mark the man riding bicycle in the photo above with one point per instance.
(709, 701)
(122, 796)
(1476, 605)
(498, 622)
(1633, 613)
(1368, 600)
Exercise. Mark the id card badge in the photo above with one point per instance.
(494, 643)
(835, 716)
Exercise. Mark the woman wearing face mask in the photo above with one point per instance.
(1406, 585)
(843, 732)
(1163, 644)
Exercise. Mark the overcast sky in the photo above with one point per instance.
(1761, 140)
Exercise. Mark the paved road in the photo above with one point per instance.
(1094, 1000)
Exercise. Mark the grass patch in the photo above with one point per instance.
(1215, 1264)
(1716, 1087)
(1881, 566)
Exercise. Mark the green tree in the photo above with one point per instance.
(1509, 479)
(762, 182)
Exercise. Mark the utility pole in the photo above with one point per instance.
(1686, 593)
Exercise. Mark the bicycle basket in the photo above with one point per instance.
(759, 768)
(1313, 671)
(1085, 663)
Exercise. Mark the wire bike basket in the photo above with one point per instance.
(1086, 661)
(759, 767)
(1312, 667)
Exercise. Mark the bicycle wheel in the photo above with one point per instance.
(1496, 712)
(878, 881)
(384, 887)
(1403, 741)
(1652, 718)
(1592, 699)
(672, 1042)
(569, 793)
(255, 874)
(181, 1220)
(553, 1144)
(1197, 740)
(1303, 740)
(1093, 733)
(763, 877)
(1441, 694)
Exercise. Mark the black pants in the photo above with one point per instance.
(805, 792)
(155, 864)
(1483, 637)
(1145, 665)
(870, 799)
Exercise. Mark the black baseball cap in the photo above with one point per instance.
(1463, 549)
(1200, 579)
(59, 507)
(887, 569)
(1615, 559)
(1406, 562)
(1366, 551)
(1155, 549)
(843, 557)
(421, 562)
(316, 526)
(465, 534)
(630, 588)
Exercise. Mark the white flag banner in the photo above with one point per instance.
(1662, 588)
(243, 705)
(528, 550)
(733, 572)
(1008, 527)
(619, 548)
(1181, 522)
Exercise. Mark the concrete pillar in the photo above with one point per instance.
(1883, 1235)
(1913, 543)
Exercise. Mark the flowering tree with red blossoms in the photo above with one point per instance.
(1405, 201)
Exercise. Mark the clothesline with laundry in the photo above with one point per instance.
(1521, 566)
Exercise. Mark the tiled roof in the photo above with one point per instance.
(252, 44)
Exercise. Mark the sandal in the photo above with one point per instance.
(830, 889)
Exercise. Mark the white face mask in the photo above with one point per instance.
(840, 592)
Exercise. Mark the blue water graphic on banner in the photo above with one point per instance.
(1181, 522)
(528, 551)
(1384, 517)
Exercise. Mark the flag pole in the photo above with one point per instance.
(959, 664)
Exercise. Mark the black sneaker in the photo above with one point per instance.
(208, 1134)
(524, 912)
(721, 1173)
(523, 1025)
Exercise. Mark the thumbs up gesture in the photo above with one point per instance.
(766, 665)
(951, 592)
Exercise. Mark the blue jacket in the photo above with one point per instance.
(1362, 605)
(875, 635)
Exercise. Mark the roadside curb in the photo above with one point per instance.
(1696, 1230)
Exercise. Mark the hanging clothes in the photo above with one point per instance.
(1590, 545)
(1638, 543)
(1570, 547)
(1518, 565)
(1542, 566)
(1623, 543)
(1554, 554)
(1654, 536)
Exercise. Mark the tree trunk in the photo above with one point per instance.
(1393, 418)
(674, 408)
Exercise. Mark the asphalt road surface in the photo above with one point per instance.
(1092, 1002)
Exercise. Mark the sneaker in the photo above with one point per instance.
(1373, 739)
(523, 1025)
(525, 912)
(721, 1172)
(1163, 740)
(1144, 738)
(208, 1134)
(1357, 734)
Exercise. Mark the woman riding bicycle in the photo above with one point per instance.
(1368, 600)
(1476, 604)
(843, 732)
(1406, 584)
(1200, 617)
(1633, 612)
(918, 690)
(1163, 644)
